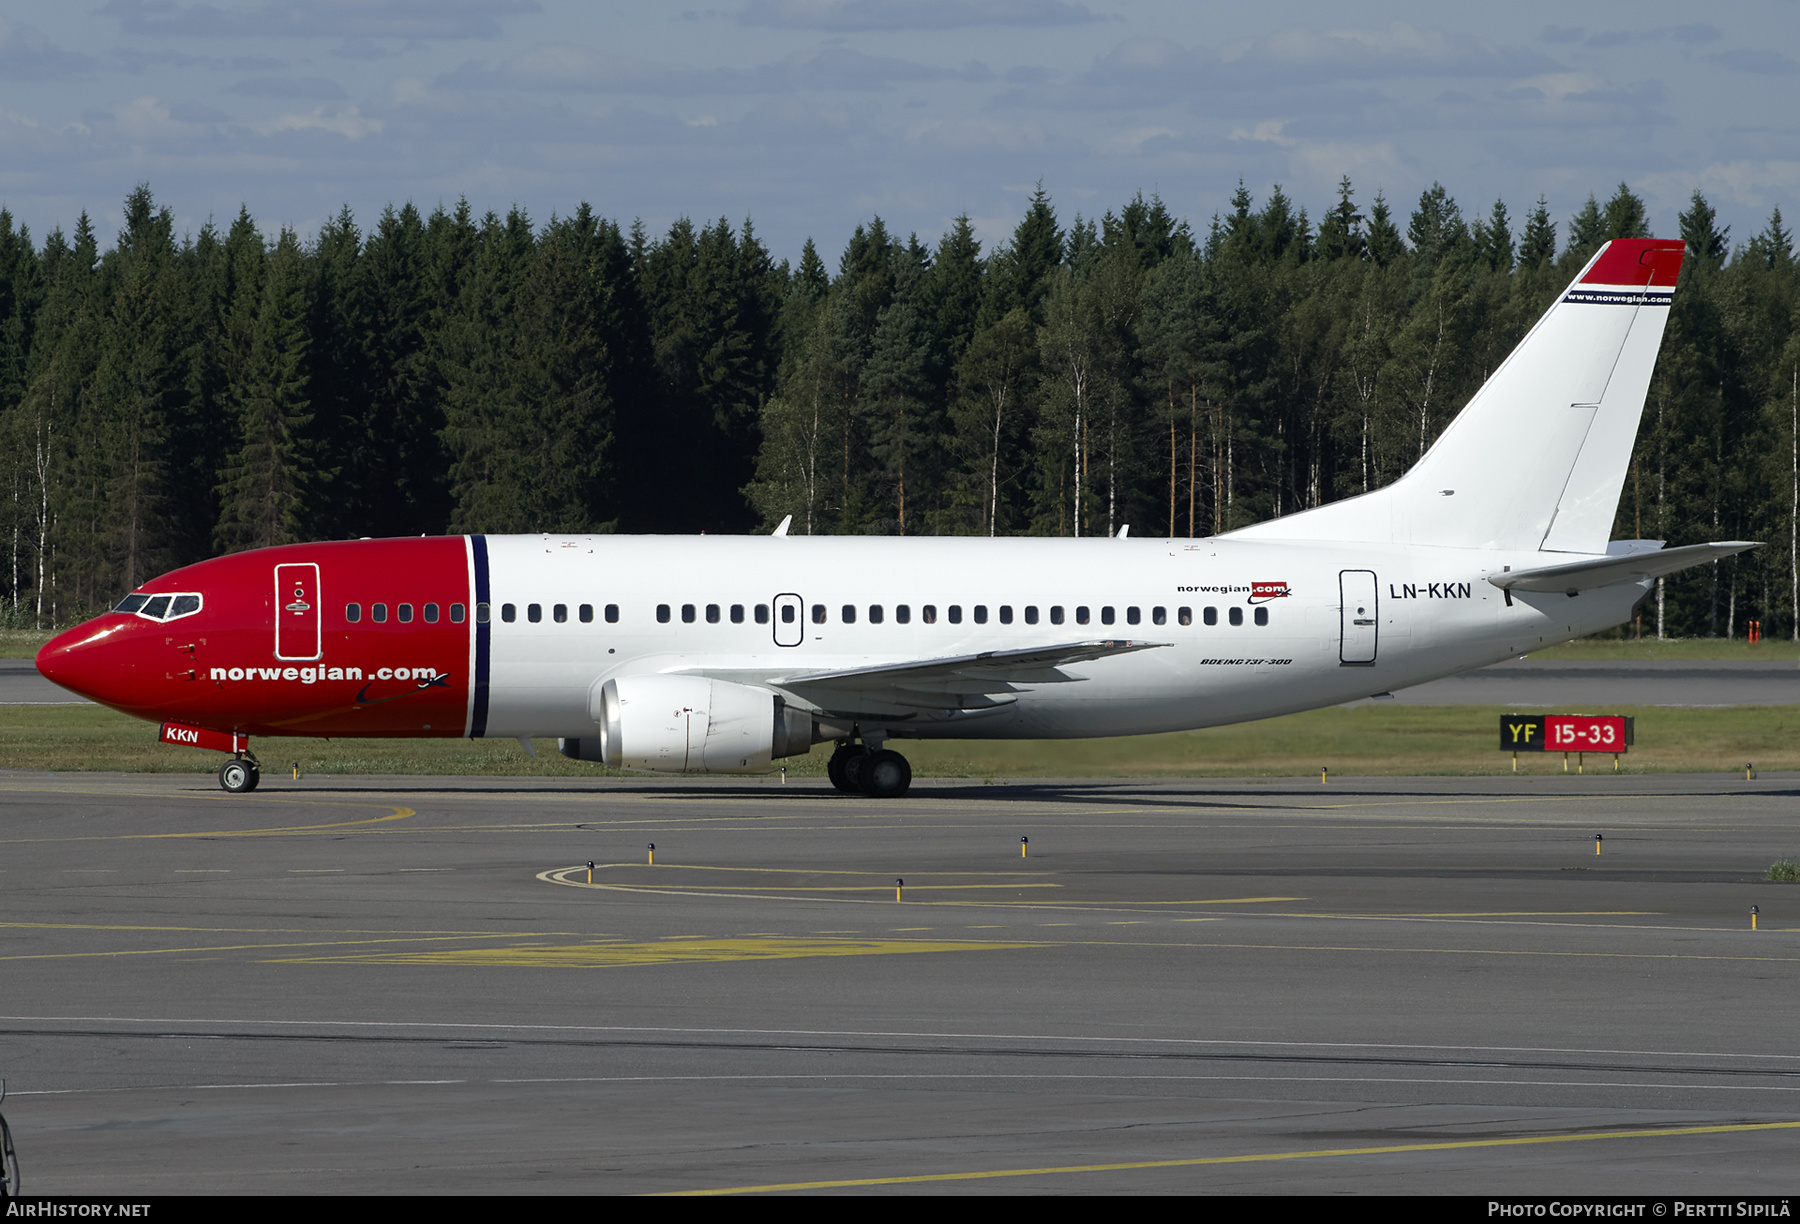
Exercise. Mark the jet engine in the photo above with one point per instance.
(689, 724)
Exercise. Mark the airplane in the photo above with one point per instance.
(718, 654)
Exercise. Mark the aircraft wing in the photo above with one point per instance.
(998, 667)
(971, 682)
(968, 683)
(1634, 567)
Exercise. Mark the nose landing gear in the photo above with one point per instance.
(239, 774)
(858, 769)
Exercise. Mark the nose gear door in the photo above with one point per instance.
(297, 632)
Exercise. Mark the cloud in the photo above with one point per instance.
(1758, 184)
(1268, 131)
(973, 134)
(1325, 160)
(583, 69)
(1599, 40)
(1393, 49)
(26, 55)
(845, 16)
(318, 88)
(421, 20)
(1758, 60)
(1131, 141)
(347, 123)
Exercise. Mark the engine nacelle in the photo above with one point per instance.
(689, 724)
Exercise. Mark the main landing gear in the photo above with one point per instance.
(858, 769)
(239, 774)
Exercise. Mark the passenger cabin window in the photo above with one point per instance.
(956, 614)
(1185, 615)
(1031, 614)
(1262, 616)
(1133, 616)
(509, 613)
(534, 613)
(737, 614)
(662, 614)
(405, 614)
(849, 614)
(378, 613)
(981, 614)
(431, 614)
(458, 614)
(712, 614)
(687, 614)
(762, 614)
(902, 614)
(818, 614)
(1159, 616)
(1210, 616)
(787, 614)
(1006, 614)
(1106, 616)
(874, 614)
(612, 614)
(1237, 616)
(1082, 615)
(560, 614)
(353, 612)
(483, 613)
(928, 614)
(1056, 614)
(586, 612)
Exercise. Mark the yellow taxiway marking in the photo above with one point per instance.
(1259, 1157)
(1529, 914)
(248, 947)
(801, 888)
(395, 812)
(666, 868)
(577, 877)
(611, 956)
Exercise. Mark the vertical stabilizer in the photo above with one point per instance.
(1537, 457)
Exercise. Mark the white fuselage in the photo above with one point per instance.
(1434, 612)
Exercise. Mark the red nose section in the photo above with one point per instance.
(90, 659)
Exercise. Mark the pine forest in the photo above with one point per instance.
(179, 396)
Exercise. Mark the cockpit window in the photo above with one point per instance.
(161, 607)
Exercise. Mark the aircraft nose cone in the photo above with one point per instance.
(86, 660)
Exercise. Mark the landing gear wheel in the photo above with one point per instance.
(845, 767)
(239, 775)
(885, 775)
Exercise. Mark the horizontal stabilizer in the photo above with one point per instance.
(1636, 567)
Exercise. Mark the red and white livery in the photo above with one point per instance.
(720, 654)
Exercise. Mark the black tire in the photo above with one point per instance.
(844, 766)
(885, 775)
(9, 1163)
(238, 776)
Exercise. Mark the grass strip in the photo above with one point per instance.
(1384, 739)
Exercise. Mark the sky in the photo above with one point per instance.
(808, 117)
